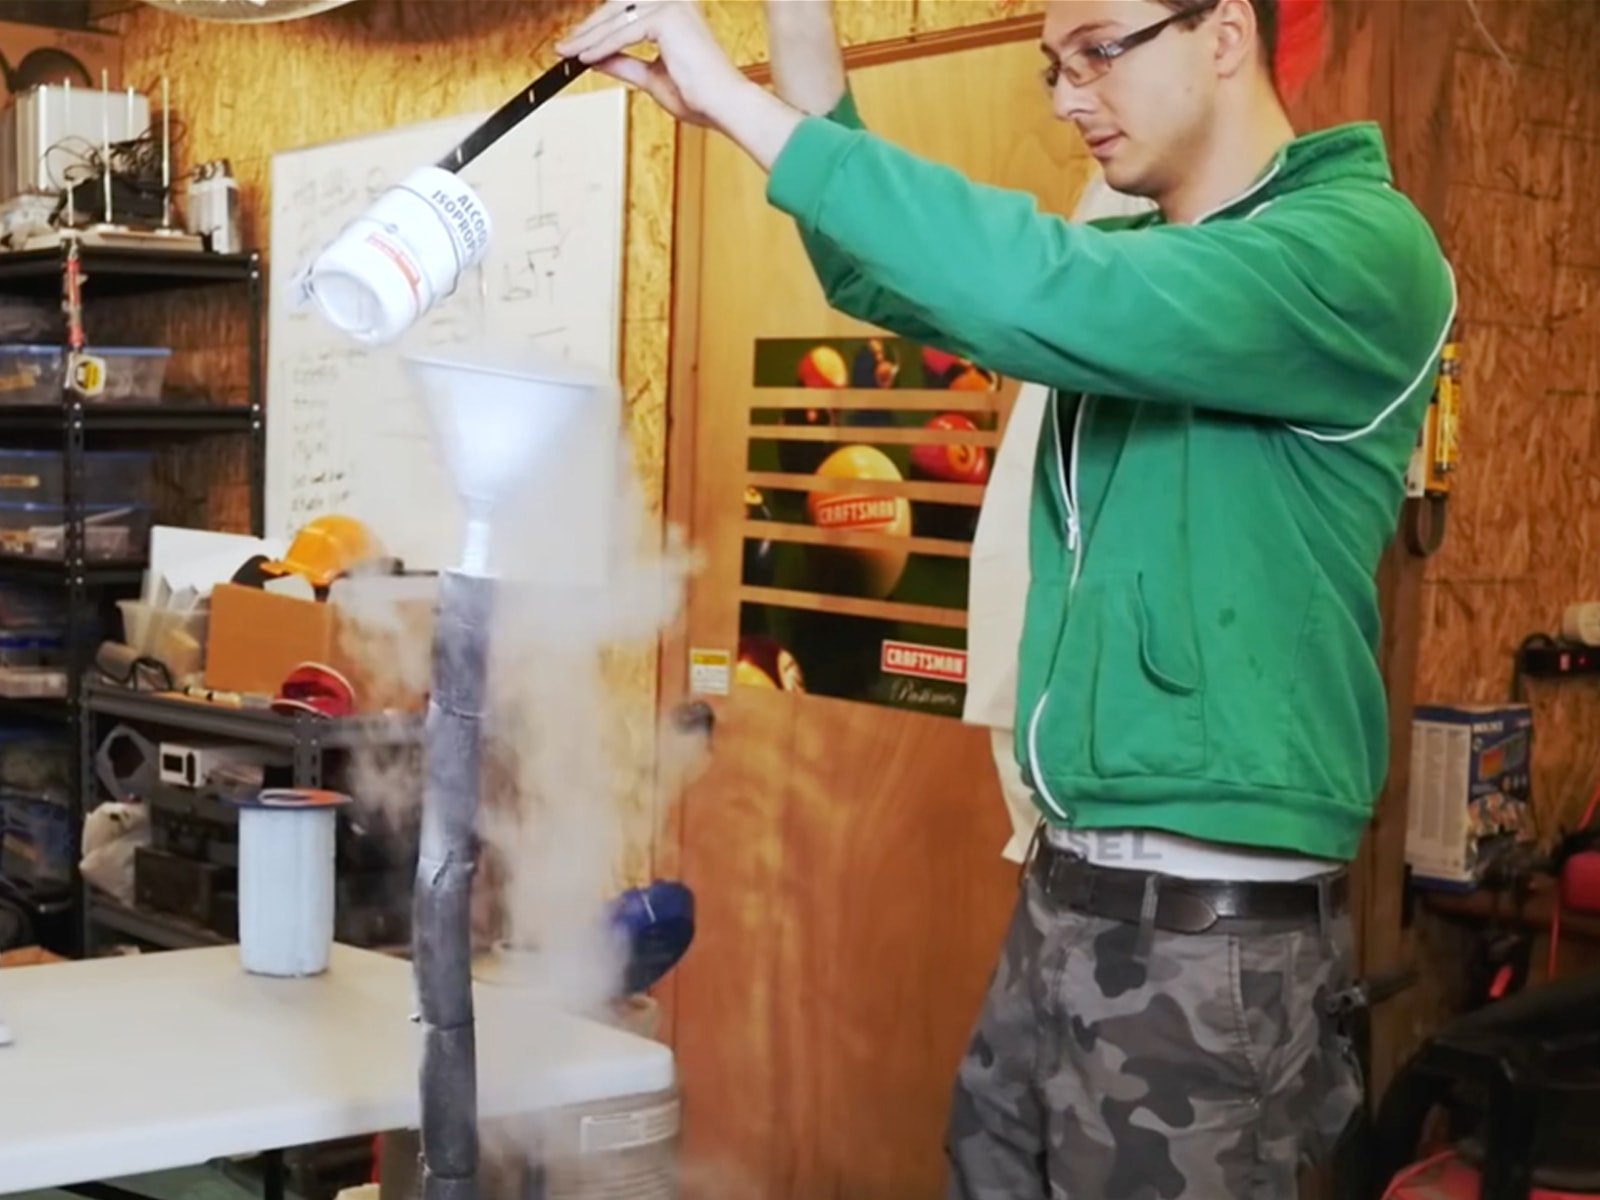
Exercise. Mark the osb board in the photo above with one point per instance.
(1523, 538)
(383, 63)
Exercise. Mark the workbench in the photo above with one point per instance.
(134, 1064)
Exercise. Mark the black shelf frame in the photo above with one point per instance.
(107, 271)
(125, 269)
(156, 929)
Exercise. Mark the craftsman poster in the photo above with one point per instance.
(861, 508)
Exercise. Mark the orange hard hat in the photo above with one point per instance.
(327, 548)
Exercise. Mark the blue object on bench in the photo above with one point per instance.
(658, 922)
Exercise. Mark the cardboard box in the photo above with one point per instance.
(377, 633)
(1470, 797)
(28, 956)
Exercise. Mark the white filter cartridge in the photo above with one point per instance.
(287, 840)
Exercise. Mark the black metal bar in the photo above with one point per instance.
(307, 759)
(158, 929)
(133, 418)
(272, 1184)
(254, 725)
(84, 790)
(513, 112)
(103, 1191)
(78, 654)
(171, 266)
(258, 427)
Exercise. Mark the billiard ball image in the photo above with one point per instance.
(960, 462)
(941, 370)
(764, 662)
(974, 379)
(823, 367)
(937, 366)
(854, 570)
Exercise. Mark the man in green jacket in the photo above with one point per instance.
(1237, 383)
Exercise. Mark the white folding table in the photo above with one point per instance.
(129, 1065)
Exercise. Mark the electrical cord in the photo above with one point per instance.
(135, 162)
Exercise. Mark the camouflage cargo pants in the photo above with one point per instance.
(1206, 1070)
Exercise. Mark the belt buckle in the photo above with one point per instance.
(1070, 880)
(1186, 905)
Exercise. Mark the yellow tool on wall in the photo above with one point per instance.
(1434, 461)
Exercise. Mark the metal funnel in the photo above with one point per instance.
(509, 424)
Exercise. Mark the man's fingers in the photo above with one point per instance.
(632, 28)
(648, 77)
(591, 28)
(632, 71)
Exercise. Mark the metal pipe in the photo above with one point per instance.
(442, 907)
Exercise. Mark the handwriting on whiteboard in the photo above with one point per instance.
(345, 432)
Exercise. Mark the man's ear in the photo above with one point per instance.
(1238, 36)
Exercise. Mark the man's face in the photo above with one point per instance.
(1146, 118)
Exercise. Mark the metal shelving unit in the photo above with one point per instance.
(76, 425)
(309, 740)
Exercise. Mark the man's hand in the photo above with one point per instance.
(691, 77)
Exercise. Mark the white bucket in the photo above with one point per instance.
(286, 881)
(399, 258)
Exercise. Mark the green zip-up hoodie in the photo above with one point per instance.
(1234, 405)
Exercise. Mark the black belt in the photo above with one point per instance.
(1182, 905)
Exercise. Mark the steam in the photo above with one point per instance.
(578, 768)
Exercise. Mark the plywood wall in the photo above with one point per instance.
(245, 92)
(1523, 541)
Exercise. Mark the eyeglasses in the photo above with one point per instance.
(1088, 63)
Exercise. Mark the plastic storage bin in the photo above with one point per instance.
(32, 647)
(109, 476)
(31, 374)
(35, 762)
(38, 374)
(134, 374)
(110, 531)
(23, 606)
(37, 840)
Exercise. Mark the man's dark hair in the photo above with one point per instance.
(1266, 23)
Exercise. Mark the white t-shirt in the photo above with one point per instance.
(998, 586)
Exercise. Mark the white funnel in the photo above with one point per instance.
(537, 432)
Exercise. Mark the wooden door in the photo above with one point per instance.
(844, 853)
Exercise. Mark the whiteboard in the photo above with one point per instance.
(346, 432)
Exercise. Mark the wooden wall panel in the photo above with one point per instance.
(1524, 531)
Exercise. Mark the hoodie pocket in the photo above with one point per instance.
(1149, 704)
